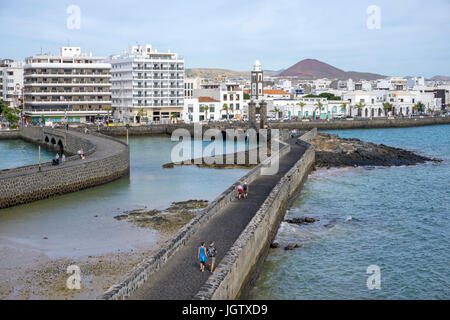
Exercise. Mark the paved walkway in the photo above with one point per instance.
(180, 277)
(104, 148)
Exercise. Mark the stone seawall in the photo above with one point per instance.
(9, 134)
(107, 159)
(151, 265)
(361, 123)
(248, 252)
(164, 129)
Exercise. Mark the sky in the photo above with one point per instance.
(408, 37)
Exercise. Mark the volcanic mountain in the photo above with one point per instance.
(315, 69)
(440, 78)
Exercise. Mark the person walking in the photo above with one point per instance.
(202, 256)
(240, 191)
(212, 255)
(63, 159)
(245, 189)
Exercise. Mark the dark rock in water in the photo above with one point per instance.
(45, 238)
(332, 151)
(274, 245)
(303, 220)
(121, 217)
(291, 247)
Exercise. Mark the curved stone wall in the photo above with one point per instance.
(107, 159)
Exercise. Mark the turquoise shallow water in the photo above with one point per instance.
(83, 223)
(397, 218)
(17, 153)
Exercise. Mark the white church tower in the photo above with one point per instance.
(257, 81)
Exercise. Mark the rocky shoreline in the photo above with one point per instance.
(332, 151)
(167, 221)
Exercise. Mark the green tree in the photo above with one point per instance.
(419, 107)
(140, 114)
(204, 108)
(302, 105)
(387, 107)
(226, 108)
(343, 108)
(246, 96)
(328, 96)
(319, 106)
(12, 118)
(173, 116)
(360, 106)
(276, 111)
(3, 108)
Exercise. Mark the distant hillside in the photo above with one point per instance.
(315, 69)
(440, 78)
(211, 73)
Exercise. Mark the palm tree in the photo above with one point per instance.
(302, 105)
(419, 106)
(359, 106)
(319, 106)
(206, 108)
(276, 111)
(344, 108)
(108, 109)
(140, 114)
(173, 116)
(225, 108)
(387, 107)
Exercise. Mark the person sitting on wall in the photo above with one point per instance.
(55, 161)
(81, 153)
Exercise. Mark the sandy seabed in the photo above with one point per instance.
(30, 274)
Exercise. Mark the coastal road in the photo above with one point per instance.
(180, 278)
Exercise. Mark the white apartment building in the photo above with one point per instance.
(230, 95)
(11, 82)
(202, 109)
(71, 86)
(147, 85)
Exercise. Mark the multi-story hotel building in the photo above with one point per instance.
(72, 87)
(147, 85)
(11, 82)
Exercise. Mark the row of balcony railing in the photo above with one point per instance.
(68, 83)
(66, 99)
(71, 73)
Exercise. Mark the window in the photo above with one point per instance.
(225, 97)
